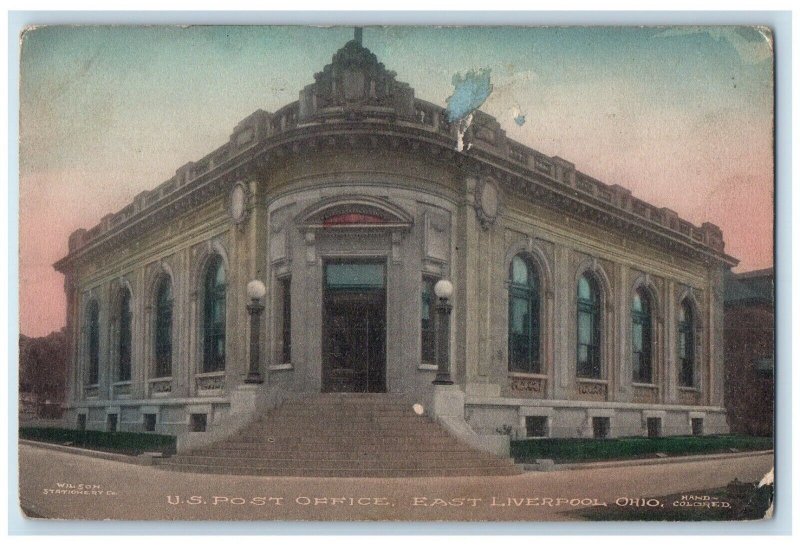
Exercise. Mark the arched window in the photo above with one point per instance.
(523, 316)
(163, 328)
(124, 340)
(93, 325)
(214, 317)
(588, 364)
(642, 338)
(686, 344)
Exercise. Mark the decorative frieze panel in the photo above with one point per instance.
(122, 389)
(689, 397)
(161, 387)
(279, 234)
(437, 235)
(91, 391)
(645, 394)
(210, 383)
(527, 387)
(592, 390)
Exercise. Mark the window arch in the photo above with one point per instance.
(214, 316)
(523, 316)
(93, 327)
(686, 343)
(589, 327)
(642, 337)
(163, 327)
(124, 336)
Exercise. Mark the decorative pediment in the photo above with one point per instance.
(354, 84)
(354, 214)
(350, 212)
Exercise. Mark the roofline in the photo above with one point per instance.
(765, 272)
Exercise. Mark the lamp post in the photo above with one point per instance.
(255, 291)
(444, 291)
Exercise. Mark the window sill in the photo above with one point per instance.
(160, 379)
(645, 385)
(526, 375)
(220, 373)
(279, 367)
(127, 382)
(428, 367)
(591, 380)
(689, 389)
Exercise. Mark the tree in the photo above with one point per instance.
(42, 371)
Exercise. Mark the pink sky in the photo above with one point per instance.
(682, 118)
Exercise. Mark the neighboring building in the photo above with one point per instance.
(749, 351)
(578, 310)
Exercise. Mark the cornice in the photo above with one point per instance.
(343, 135)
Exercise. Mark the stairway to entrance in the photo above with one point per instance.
(345, 435)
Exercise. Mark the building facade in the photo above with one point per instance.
(750, 351)
(578, 310)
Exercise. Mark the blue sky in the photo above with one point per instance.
(682, 116)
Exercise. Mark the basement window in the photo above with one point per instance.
(82, 421)
(697, 426)
(197, 422)
(111, 423)
(601, 426)
(150, 422)
(536, 426)
(653, 427)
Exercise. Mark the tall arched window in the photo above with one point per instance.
(523, 316)
(642, 338)
(214, 317)
(588, 364)
(686, 344)
(93, 325)
(163, 328)
(124, 340)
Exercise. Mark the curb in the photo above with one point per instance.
(144, 459)
(533, 467)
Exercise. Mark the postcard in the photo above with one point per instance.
(396, 273)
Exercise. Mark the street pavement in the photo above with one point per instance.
(69, 486)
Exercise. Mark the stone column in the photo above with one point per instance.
(670, 379)
(139, 334)
(564, 367)
(716, 323)
(471, 288)
(623, 374)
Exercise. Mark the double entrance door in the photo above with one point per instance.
(354, 327)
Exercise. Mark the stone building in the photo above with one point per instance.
(749, 351)
(578, 311)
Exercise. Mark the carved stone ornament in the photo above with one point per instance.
(487, 202)
(239, 203)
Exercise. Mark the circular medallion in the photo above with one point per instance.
(487, 201)
(238, 204)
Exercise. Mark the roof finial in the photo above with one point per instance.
(358, 35)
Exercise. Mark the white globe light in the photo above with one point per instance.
(443, 289)
(256, 290)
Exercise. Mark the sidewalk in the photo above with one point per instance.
(72, 486)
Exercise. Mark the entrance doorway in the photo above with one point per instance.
(354, 327)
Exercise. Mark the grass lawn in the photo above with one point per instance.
(571, 450)
(129, 443)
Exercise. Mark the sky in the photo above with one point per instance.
(681, 116)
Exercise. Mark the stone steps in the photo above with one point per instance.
(350, 472)
(353, 453)
(342, 435)
(339, 461)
